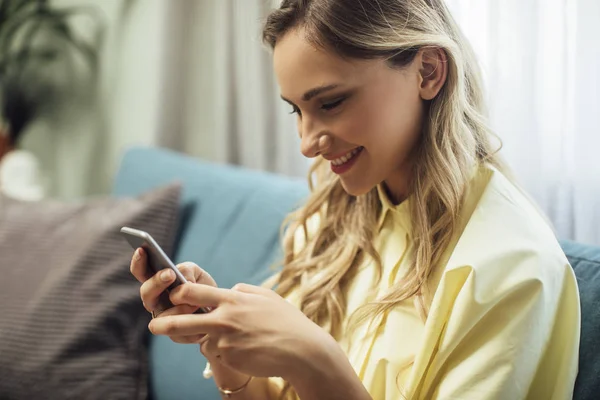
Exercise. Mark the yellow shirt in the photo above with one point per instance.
(504, 314)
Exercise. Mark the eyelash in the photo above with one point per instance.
(324, 107)
(332, 105)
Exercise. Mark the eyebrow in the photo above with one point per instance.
(314, 92)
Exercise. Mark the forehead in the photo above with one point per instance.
(301, 66)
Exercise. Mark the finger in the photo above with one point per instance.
(139, 266)
(209, 348)
(181, 309)
(151, 289)
(187, 269)
(205, 339)
(195, 274)
(193, 339)
(200, 295)
(184, 325)
(251, 289)
(204, 346)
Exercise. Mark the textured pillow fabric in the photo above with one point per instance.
(586, 263)
(72, 324)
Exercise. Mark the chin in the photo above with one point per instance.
(356, 188)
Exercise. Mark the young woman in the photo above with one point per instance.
(416, 269)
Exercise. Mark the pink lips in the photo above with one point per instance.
(342, 168)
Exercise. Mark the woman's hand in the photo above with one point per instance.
(252, 330)
(154, 286)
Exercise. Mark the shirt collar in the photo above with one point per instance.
(400, 214)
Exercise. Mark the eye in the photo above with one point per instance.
(296, 110)
(333, 104)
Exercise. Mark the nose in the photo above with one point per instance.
(313, 141)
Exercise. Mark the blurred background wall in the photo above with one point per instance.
(192, 75)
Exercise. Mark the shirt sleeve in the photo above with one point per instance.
(510, 338)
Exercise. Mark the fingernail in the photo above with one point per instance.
(166, 276)
(137, 255)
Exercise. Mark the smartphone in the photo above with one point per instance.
(157, 261)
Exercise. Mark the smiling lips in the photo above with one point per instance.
(344, 163)
(346, 157)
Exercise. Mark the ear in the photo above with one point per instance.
(433, 71)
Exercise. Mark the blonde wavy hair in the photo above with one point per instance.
(455, 137)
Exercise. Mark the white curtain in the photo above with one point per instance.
(193, 75)
(219, 95)
(541, 61)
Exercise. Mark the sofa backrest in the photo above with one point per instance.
(585, 260)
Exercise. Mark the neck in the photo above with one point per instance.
(397, 186)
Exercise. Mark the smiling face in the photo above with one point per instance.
(364, 116)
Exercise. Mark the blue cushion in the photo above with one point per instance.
(230, 226)
(586, 263)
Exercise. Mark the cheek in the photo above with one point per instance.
(354, 127)
(398, 124)
(385, 126)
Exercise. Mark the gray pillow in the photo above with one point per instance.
(72, 325)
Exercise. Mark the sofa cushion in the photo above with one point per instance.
(586, 263)
(230, 226)
(73, 325)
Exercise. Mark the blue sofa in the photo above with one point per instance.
(230, 226)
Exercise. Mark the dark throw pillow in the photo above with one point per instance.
(72, 325)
